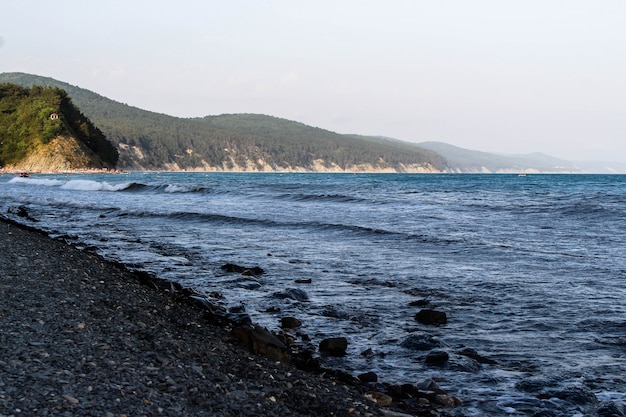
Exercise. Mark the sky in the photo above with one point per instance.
(499, 76)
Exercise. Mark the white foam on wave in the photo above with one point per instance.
(88, 185)
(37, 181)
(175, 189)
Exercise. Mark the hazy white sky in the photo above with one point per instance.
(493, 75)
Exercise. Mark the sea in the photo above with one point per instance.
(530, 270)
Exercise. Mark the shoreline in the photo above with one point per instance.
(88, 336)
(83, 336)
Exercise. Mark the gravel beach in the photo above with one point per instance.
(84, 337)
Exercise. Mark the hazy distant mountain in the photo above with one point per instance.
(465, 160)
(241, 142)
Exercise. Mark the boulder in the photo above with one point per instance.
(431, 317)
(290, 323)
(334, 346)
(437, 357)
(259, 340)
(248, 271)
(368, 377)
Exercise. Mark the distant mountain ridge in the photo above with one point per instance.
(252, 142)
(239, 142)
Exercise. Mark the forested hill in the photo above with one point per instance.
(41, 129)
(241, 142)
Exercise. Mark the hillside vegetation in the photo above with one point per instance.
(242, 142)
(41, 127)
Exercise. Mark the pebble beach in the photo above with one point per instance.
(82, 336)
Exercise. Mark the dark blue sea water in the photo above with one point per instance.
(531, 271)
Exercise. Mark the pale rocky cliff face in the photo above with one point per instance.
(63, 153)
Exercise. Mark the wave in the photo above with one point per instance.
(339, 198)
(91, 185)
(313, 226)
(37, 181)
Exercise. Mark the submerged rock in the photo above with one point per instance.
(437, 357)
(576, 394)
(431, 317)
(293, 293)
(421, 341)
(472, 353)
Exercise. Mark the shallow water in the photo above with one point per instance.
(530, 270)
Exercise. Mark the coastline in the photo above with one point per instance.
(83, 336)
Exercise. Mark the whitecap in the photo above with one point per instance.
(37, 181)
(87, 185)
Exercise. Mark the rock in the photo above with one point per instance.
(576, 394)
(437, 357)
(290, 323)
(368, 353)
(472, 353)
(428, 385)
(421, 341)
(255, 270)
(448, 401)
(70, 399)
(293, 293)
(419, 303)
(259, 340)
(335, 312)
(381, 399)
(464, 364)
(610, 409)
(334, 346)
(368, 377)
(431, 317)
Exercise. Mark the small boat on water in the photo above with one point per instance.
(24, 174)
(521, 175)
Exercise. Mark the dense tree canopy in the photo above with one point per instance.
(31, 117)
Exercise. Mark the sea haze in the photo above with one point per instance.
(529, 269)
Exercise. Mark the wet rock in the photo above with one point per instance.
(437, 357)
(290, 323)
(335, 312)
(368, 353)
(464, 364)
(334, 346)
(472, 353)
(368, 377)
(248, 271)
(293, 293)
(428, 385)
(421, 341)
(259, 340)
(576, 394)
(610, 409)
(532, 385)
(419, 303)
(431, 317)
